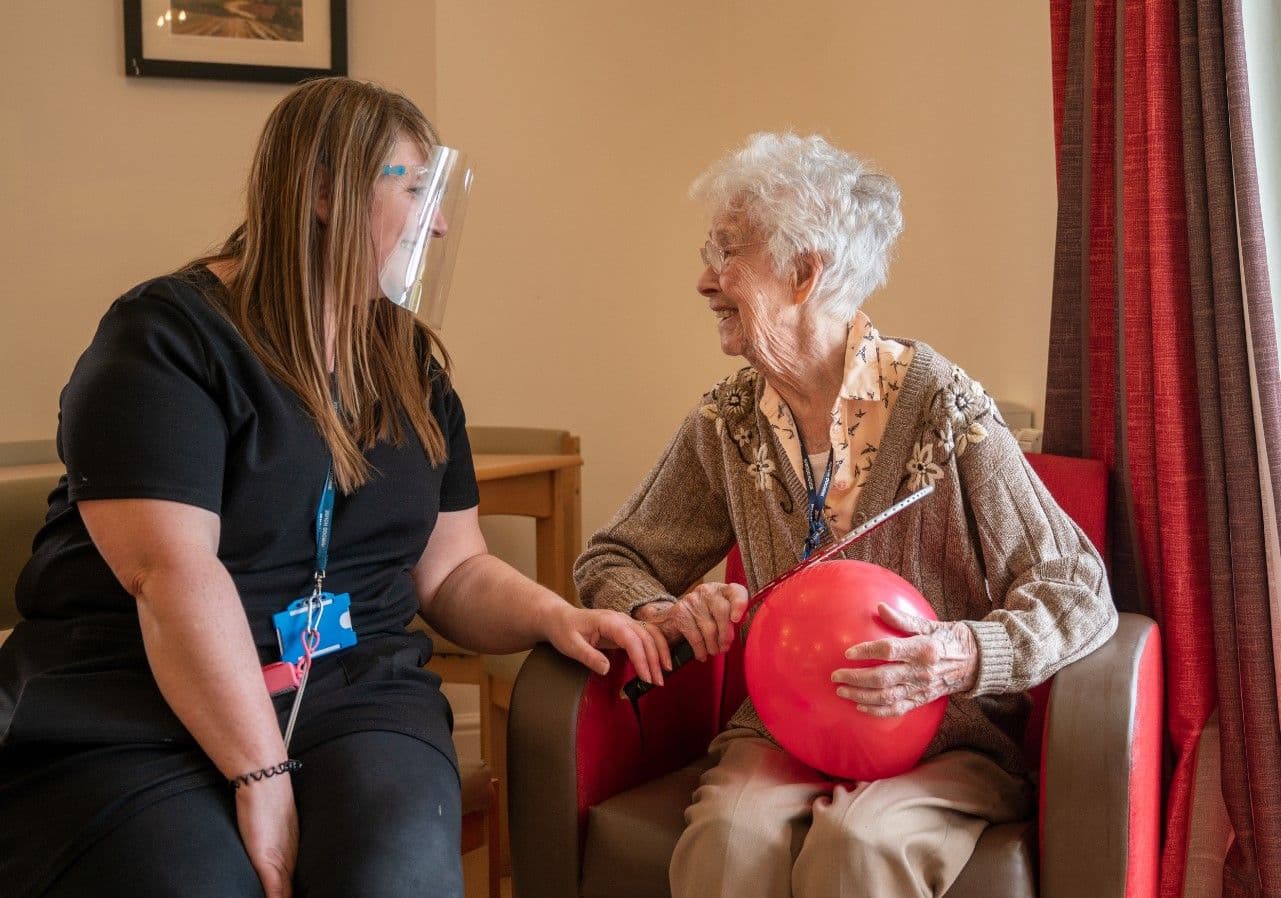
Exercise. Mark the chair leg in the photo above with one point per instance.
(493, 832)
(499, 765)
(486, 683)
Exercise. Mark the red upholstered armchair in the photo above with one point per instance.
(596, 806)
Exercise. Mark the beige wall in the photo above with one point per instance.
(573, 303)
(108, 180)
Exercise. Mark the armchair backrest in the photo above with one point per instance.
(1079, 485)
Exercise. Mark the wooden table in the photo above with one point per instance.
(545, 488)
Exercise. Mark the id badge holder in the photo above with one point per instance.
(330, 615)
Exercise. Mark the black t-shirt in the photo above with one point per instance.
(168, 402)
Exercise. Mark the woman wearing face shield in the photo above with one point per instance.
(831, 424)
(268, 475)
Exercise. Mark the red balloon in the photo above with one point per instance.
(799, 637)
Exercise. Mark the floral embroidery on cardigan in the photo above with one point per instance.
(921, 469)
(954, 413)
(732, 405)
(763, 468)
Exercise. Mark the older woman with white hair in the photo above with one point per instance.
(830, 424)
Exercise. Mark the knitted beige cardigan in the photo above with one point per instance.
(990, 547)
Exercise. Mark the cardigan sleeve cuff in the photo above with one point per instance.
(996, 658)
(650, 600)
(629, 590)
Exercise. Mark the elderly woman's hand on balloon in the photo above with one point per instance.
(706, 617)
(938, 659)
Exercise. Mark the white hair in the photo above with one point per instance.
(804, 195)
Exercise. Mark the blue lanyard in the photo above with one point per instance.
(325, 514)
(324, 525)
(817, 497)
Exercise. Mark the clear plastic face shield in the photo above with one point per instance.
(417, 272)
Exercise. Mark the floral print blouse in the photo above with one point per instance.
(874, 368)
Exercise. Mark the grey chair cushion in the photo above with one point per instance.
(1003, 864)
(631, 837)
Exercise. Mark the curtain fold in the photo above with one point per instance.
(1246, 683)
(1261, 753)
(1255, 145)
(1209, 831)
(1163, 364)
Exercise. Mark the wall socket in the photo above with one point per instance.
(1014, 415)
(1029, 438)
(1019, 419)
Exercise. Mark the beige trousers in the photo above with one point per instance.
(765, 825)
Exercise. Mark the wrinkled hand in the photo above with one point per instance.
(578, 633)
(706, 617)
(268, 823)
(940, 659)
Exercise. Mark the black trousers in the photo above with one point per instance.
(378, 814)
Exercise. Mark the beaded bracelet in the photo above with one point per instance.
(255, 776)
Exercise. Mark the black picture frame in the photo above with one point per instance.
(139, 66)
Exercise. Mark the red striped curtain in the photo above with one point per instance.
(1149, 371)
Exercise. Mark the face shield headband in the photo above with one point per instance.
(417, 272)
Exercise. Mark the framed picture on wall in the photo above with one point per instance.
(236, 40)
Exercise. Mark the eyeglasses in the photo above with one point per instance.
(714, 257)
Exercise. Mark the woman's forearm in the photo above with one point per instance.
(489, 607)
(203, 658)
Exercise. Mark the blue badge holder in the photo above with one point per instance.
(335, 628)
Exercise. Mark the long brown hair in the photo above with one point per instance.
(339, 132)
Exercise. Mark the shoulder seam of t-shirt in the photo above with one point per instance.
(164, 292)
(170, 298)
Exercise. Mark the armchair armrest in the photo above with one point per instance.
(1101, 770)
(573, 742)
